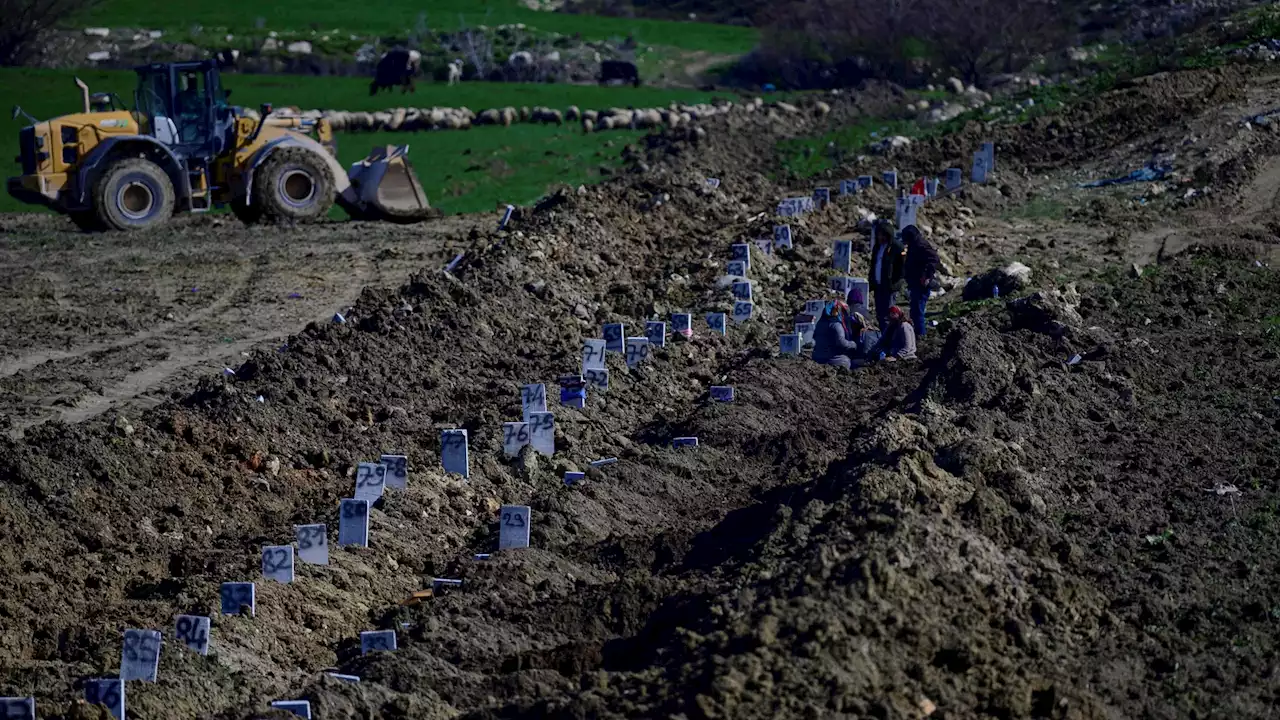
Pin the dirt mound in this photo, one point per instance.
(1063, 510)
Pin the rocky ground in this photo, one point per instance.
(999, 530)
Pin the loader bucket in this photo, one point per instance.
(386, 188)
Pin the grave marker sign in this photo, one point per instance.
(193, 632)
(353, 522)
(515, 435)
(371, 478)
(313, 544)
(141, 655)
(277, 563)
(542, 433)
(513, 527)
(453, 449)
(108, 692)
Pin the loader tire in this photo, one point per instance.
(132, 194)
(245, 212)
(86, 220)
(293, 185)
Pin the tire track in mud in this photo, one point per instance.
(190, 346)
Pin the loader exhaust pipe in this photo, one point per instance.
(84, 93)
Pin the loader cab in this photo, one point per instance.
(185, 106)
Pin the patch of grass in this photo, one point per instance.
(462, 171)
(1039, 208)
(494, 165)
(393, 17)
(808, 156)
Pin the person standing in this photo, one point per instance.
(919, 269)
(886, 269)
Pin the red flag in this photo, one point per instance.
(918, 188)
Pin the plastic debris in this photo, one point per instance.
(337, 318)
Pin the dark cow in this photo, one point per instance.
(396, 67)
(611, 70)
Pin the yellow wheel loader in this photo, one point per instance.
(183, 148)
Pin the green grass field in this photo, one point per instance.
(462, 171)
(399, 16)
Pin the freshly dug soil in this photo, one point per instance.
(1000, 529)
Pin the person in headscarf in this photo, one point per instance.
(886, 269)
(919, 269)
(899, 337)
(865, 338)
(831, 343)
(856, 302)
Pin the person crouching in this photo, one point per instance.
(899, 337)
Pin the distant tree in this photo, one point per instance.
(25, 20)
(978, 37)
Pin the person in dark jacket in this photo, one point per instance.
(886, 269)
(831, 344)
(919, 269)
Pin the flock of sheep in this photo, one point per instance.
(441, 118)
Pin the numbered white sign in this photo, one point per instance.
(681, 323)
(813, 308)
(841, 285)
(513, 527)
(821, 196)
(716, 321)
(736, 268)
(614, 337)
(141, 656)
(842, 255)
(533, 398)
(741, 252)
(453, 449)
(515, 435)
(15, 708)
(722, 393)
(597, 378)
(313, 544)
(377, 640)
(789, 344)
(861, 289)
(742, 290)
(593, 355)
(891, 178)
(989, 152)
(193, 632)
(353, 522)
(765, 245)
(277, 563)
(542, 433)
(979, 174)
(864, 181)
(301, 708)
(637, 351)
(397, 471)
(955, 178)
(805, 331)
(371, 478)
(236, 596)
(573, 478)
(682, 442)
(656, 332)
(848, 187)
(573, 391)
(742, 311)
(782, 236)
(108, 692)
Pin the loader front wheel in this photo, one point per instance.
(293, 184)
(132, 194)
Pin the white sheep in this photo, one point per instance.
(455, 71)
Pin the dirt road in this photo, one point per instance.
(93, 320)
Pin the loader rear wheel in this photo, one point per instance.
(132, 194)
(293, 184)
